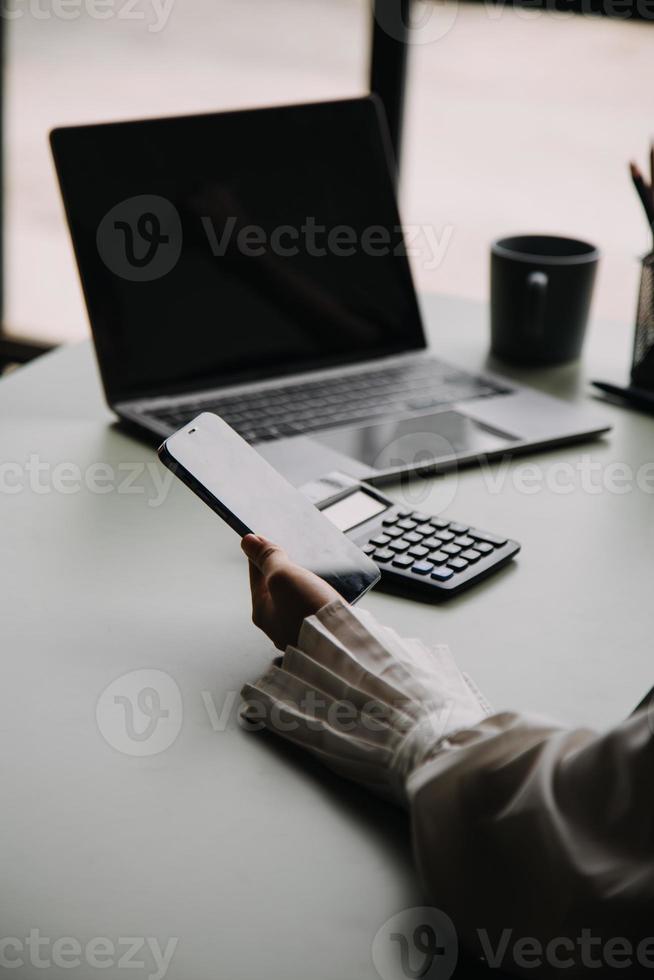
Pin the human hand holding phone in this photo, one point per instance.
(283, 593)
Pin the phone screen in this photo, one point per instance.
(251, 496)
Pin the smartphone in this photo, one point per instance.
(252, 497)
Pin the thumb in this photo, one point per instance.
(263, 554)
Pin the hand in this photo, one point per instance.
(282, 592)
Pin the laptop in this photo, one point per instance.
(253, 264)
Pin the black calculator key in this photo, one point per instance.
(458, 564)
(391, 519)
(487, 538)
(452, 549)
(420, 517)
(394, 532)
(368, 549)
(439, 523)
(403, 561)
(438, 557)
(383, 555)
(444, 535)
(413, 537)
(442, 574)
(380, 540)
(408, 525)
(483, 547)
(399, 546)
(403, 513)
(458, 528)
(432, 542)
(419, 551)
(422, 567)
(471, 555)
(464, 541)
(426, 529)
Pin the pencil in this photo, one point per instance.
(644, 193)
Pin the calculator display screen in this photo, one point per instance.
(354, 509)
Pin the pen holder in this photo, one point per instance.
(642, 365)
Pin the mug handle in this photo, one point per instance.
(536, 295)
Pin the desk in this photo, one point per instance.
(233, 844)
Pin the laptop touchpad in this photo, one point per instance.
(415, 441)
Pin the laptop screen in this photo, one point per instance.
(226, 247)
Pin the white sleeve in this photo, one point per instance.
(523, 830)
(528, 835)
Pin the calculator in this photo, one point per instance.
(418, 554)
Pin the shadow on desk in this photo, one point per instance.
(387, 822)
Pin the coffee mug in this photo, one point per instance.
(541, 288)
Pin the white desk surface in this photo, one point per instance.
(259, 863)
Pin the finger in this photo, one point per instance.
(263, 553)
(257, 582)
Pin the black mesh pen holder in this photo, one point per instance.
(642, 365)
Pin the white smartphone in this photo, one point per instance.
(252, 497)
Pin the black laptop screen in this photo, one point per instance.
(224, 247)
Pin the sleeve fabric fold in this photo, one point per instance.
(523, 830)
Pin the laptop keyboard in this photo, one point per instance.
(293, 409)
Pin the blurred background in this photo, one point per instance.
(517, 119)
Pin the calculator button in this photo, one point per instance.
(483, 547)
(464, 541)
(451, 549)
(487, 538)
(439, 523)
(380, 540)
(432, 543)
(458, 528)
(420, 517)
(444, 535)
(442, 574)
(418, 551)
(403, 513)
(399, 546)
(383, 556)
(458, 564)
(408, 525)
(426, 529)
(422, 567)
(413, 537)
(471, 555)
(368, 549)
(403, 561)
(391, 519)
(394, 532)
(438, 557)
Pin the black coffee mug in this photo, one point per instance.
(541, 288)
